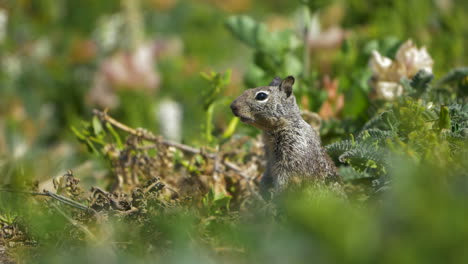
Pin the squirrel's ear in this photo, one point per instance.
(286, 85)
(276, 81)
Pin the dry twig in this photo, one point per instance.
(148, 136)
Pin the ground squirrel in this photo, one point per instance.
(292, 147)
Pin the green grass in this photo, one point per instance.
(404, 162)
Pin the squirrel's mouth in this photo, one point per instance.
(242, 118)
(246, 119)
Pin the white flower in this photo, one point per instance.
(382, 66)
(41, 49)
(3, 24)
(170, 119)
(109, 31)
(388, 90)
(388, 73)
(12, 65)
(413, 59)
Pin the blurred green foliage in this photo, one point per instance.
(404, 162)
(273, 50)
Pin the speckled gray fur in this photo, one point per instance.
(292, 147)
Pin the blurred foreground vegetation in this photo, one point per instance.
(183, 190)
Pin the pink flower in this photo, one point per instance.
(134, 70)
(335, 101)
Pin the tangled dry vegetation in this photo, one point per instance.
(149, 175)
(182, 169)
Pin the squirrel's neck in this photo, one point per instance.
(294, 137)
(296, 150)
(291, 121)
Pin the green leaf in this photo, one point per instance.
(292, 65)
(97, 126)
(374, 134)
(116, 136)
(362, 153)
(421, 80)
(338, 148)
(77, 133)
(231, 127)
(91, 147)
(349, 173)
(444, 118)
(419, 84)
(315, 5)
(248, 30)
(216, 203)
(384, 121)
(264, 61)
(454, 76)
(256, 36)
(217, 82)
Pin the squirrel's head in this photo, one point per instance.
(267, 107)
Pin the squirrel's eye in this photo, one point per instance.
(261, 96)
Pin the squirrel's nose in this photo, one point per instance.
(234, 108)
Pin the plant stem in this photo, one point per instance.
(102, 115)
(306, 53)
